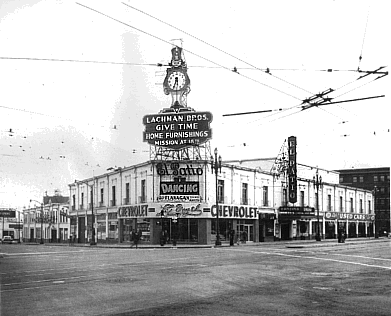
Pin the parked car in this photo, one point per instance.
(7, 240)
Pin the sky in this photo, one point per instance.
(77, 78)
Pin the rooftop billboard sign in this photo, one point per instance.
(177, 130)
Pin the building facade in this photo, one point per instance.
(48, 222)
(177, 199)
(376, 180)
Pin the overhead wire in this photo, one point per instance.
(215, 47)
(188, 51)
(80, 61)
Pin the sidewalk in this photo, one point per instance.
(287, 243)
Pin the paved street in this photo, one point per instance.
(261, 279)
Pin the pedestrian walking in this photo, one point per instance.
(244, 237)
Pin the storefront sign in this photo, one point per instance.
(235, 211)
(7, 213)
(349, 216)
(180, 188)
(133, 211)
(292, 170)
(175, 169)
(180, 210)
(295, 212)
(179, 198)
(177, 130)
(296, 209)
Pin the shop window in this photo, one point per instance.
(244, 194)
(265, 196)
(220, 191)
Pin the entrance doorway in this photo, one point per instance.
(285, 231)
(245, 231)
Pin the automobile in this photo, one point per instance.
(7, 240)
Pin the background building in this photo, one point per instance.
(47, 221)
(378, 181)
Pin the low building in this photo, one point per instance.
(48, 221)
(177, 199)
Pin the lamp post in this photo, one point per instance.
(375, 189)
(41, 242)
(216, 167)
(317, 179)
(92, 242)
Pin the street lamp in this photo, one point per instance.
(317, 183)
(216, 167)
(41, 242)
(375, 190)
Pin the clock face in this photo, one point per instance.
(176, 80)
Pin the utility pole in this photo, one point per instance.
(216, 167)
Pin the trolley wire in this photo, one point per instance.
(188, 51)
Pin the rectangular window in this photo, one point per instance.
(382, 178)
(91, 198)
(361, 209)
(340, 179)
(73, 202)
(101, 197)
(361, 179)
(127, 193)
(284, 197)
(113, 197)
(375, 178)
(220, 191)
(82, 200)
(329, 206)
(244, 193)
(301, 198)
(354, 179)
(143, 192)
(351, 205)
(265, 196)
(341, 204)
(369, 207)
